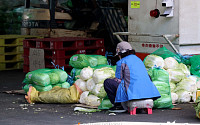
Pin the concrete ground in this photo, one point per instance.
(14, 110)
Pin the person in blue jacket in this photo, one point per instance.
(132, 80)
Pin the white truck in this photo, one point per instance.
(175, 25)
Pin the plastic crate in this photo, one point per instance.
(26, 60)
(11, 65)
(57, 53)
(11, 49)
(66, 53)
(63, 53)
(64, 43)
(11, 41)
(97, 51)
(31, 43)
(26, 52)
(14, 40)
(61, 62)
(12, 57)
(25, 68)
(48, 62)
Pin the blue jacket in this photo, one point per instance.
(135, 81)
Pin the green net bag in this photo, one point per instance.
(186, 59)
(75, 73)
(114, 67)
(160, 78)
(101, 66)
(62, 85)
(101, 60)
(197, 107)
(40, 78)
(59, 84)
(92, 61)
(105, 104)
(42, 88)
(54, 78)
(26, 87)
(79, 61)
(65, 85)
(158, 74)
(28, 77)
(164, 102)
(62, 74)
(195, 65)
(165, 53)
(162, 87)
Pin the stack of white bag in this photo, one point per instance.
(91, 83)
(183, 85)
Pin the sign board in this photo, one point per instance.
(135, 4)
(36, 59)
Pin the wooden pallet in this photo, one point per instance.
(11, 65)
(11, 49)
(11, 57)
(14, 40)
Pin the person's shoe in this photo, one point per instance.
(117, 109)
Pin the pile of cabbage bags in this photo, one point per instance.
(46, 79)
(80, 61)
(160, 78)
(91, 83)
(89, 73)
(197, 107)
(183, 85)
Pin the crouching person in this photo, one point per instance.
(132, 81)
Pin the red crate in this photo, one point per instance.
(60, 44)
(61, 62)
(26, 52)
(30, 43)
(48, 61)
(25, 68)
(62, 53)
(26, 60)
(94, 43)
(64, 43)
(66, 53)
(57, 53)
(98, 51)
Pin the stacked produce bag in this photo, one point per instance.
(46, 79)
(80, 61)
(160, 78)
(91, 83)
(183, 85)
(90, 71)
(197, 107)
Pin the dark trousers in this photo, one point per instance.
(110, 86)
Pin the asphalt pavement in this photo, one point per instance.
(14, 110)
